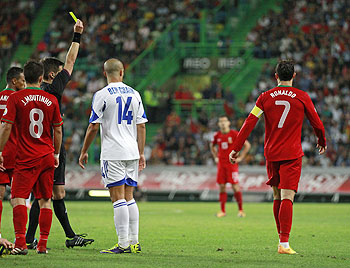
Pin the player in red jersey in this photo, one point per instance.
(227, 172)
(35, 113)
(15, 81)
(284, 108)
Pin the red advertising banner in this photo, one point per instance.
(194, 179)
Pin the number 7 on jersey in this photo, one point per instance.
(286, 105)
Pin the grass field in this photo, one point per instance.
(188, 235)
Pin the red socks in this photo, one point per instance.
(238, 196)
(276, 211)
(223, 200)
(0, 212)
(285, 219)
(20, 218)
(45, 220)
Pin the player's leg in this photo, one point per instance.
(45, 221)
(221, 181)
(276, 206)
(113, 175)
(131, 183)
(121, 216)
(238, 196)
(2, 194)
(222, 200)
(290, 172)
(20, 219)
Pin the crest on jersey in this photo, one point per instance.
(219, 140)
(229, 139)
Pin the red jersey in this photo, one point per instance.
(284, 109)
(10, 147)
(34, 112)
(225, 144)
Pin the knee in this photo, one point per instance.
(2, 192)
(222, 188)
(236, 188)
(45, 203)
(58, 194)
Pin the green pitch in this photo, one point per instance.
(188, 235)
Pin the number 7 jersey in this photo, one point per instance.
(34, 112)
(118, 108)
(284, 109)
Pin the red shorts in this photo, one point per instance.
(6, 177)
(227, 173)
(38, 179)
(284, 174)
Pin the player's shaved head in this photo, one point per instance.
(113, 66)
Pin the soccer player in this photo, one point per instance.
(119, 110)
(284, 108)
(15, 81)
(56, 76)
(220, 148)
(35, 114)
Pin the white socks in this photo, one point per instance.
(284, 244)
(133, 222)
(121, 221)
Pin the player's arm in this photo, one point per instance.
(243, 154)
(5, 131)
(57, 142)
(316, 124)
(141, 141)
(214, 152)
(245, 131)
(74, 48)
(89, 138)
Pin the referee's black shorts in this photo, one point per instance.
(59, 176)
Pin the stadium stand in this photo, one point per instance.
(15, 20)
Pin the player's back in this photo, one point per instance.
(34, 113)
(284, 109)
(10, 147)
(120, 109)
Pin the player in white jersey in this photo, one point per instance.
(119, 110)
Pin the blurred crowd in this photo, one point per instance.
(316, 35)
(15, 20)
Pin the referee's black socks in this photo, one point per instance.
(33, 221)
(61, 214)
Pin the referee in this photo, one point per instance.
(56, 76)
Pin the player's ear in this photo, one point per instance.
(294, 75)
(276, 76)
(40, 79)
(121, 73)
(52, 75)
(14, 81)
(104, 74)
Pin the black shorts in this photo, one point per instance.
(59, 176)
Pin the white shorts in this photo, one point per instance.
(120, 172)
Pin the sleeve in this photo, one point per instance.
(141, 117)
(57, 119)
(315, 120)
(98, 106)
(249, 125)
(10, 112)
(59, 83)
(214, 140)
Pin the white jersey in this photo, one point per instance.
(118, 108)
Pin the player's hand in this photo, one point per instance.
(83, 159)
(4, 242)
(57, 161)
(239, 159)
(2, 168)
(321, 149)
(142, 162)
(233, 157)
(79, 27)
(216, 159)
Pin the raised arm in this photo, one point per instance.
(74, 48)
(89, 138)
(141, 141)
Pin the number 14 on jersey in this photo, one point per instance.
(123, 112)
